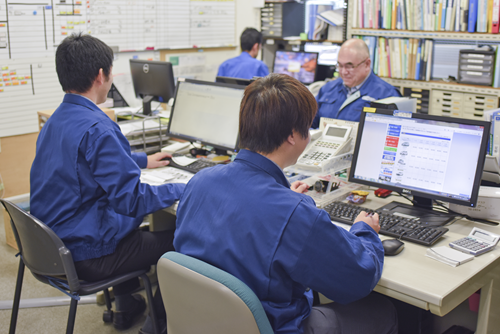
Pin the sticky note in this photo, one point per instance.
(15, 83)
(1, 90)
(13, 73)
(4, 68)
(8, 84)
(64, 33)
(2, 24)
(5, 74)
(27, 76)
(20, 78)
(24, 82)
(77, 11)
(13, 78)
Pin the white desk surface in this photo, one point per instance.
(432, 285)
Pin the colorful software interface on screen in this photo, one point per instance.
(300, 65)
(422, 155)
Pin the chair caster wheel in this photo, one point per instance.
(107, 316)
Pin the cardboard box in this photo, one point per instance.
(9, 234)
(488, 203)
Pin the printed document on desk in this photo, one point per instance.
(159, 176)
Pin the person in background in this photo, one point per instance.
(345, 97)
(85, 182)
(246, 66)
(246, 219)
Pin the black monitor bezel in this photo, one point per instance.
(479, 170)
(197, 140)
(233, 81)
(170, 79)
(315, 69)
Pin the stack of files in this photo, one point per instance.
(401, 58)
(429, 15)
(329, 24)
(422, 96)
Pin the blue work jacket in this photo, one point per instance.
(333, 94)
(244, 67)
(85, 182)
(244, 219)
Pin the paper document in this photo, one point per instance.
(448, 255)
(159, 176)
(183, 160)
(129, 127)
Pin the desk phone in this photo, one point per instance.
(334, 140)
(477, 242)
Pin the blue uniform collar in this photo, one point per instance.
(80, 100)
(263, 163)
(245, 54)
(364, 86)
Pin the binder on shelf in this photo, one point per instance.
(464, 15)
(471, 23)
(495, 16)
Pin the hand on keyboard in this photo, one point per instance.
(370, 218)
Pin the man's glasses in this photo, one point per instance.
(349, 66)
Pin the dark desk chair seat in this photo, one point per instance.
(45, 255)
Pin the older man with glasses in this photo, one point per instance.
(357, 86)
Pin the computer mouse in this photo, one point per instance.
(392, 246)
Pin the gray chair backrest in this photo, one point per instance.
(42, 250)
(200, 298)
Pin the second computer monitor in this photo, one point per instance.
(153, 81)
(206, 112)
(234, 81)
(299, 65)
(429, 157)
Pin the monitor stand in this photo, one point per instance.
(146, 104)
(421, 209)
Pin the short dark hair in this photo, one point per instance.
(78, 60)
(272, 107)
(249, 37)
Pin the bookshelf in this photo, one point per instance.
(443, 98)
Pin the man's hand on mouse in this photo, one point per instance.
(370, 219)
(154, 160)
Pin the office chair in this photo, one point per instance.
(45, 255)
(200, 298)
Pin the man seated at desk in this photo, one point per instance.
(246, 66)
(344, 98)
(245, 218)
(85, 183)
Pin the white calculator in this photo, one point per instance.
(477, 242)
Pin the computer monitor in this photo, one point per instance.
(234, 81)
(153, 81)
(429, 157)
(300, 65)
(207, 113)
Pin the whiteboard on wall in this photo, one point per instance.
(30, 32)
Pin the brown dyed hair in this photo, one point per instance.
(272, 107)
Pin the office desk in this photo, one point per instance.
(415, 279)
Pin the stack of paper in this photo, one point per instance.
(448, 255)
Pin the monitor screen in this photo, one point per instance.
(206, 112)
(327, 53)
(153, 81)
(427, 156)
(234, 81)
(300, 65)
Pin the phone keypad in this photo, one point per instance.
(315, 157)
(327, 144)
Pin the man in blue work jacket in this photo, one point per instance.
(85, 183)
(246, 66)
(245, 218)
(345, 97)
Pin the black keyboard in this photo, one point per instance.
(194, 167)
(391, 225)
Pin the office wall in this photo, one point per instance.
(17, 152)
